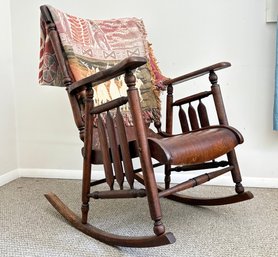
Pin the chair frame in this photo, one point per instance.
(152, 191)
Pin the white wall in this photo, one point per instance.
(8, 159)
(186, 35)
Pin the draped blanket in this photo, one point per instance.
(94, 45)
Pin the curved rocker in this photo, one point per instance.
(236, 198)
(203, 201)
(103, 236)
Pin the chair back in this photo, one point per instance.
(73, 48)
(52, 55)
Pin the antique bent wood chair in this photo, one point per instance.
(115, 125)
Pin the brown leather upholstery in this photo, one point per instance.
(195, 147)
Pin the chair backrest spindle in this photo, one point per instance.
(114, 150)
(183, 120)
(203, 115)
(104, 146)
(128, 166)
(193, 117)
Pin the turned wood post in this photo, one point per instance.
(223, 120)
(67, 78)
(88, 140)
(169, 130)
(169, 109)
(144, 153)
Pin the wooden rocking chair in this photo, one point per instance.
(108, 141)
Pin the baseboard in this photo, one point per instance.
(51, 173)
(9, 176)
(224, 180)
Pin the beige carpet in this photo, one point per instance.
(29, 225)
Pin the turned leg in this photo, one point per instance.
(222, 117)
(144, 153)
(235, 172)
(85, 190)
(87, 154)
(167, 179)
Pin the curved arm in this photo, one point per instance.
(197, 73)
(129, 63)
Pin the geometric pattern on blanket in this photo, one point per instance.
(93, 45)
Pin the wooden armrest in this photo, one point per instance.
(191, 98)
(129, 63)
(110, 105)
(197, 73)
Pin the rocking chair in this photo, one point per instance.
(116, 131)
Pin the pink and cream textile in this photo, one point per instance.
(93, 45)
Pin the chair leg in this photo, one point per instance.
(167, 178)
(87, 155)
(144, 153)
(85, 191)
(151, 188)
(235, 172)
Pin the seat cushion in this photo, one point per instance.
(195, 147)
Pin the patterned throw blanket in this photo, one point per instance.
(94, 45)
